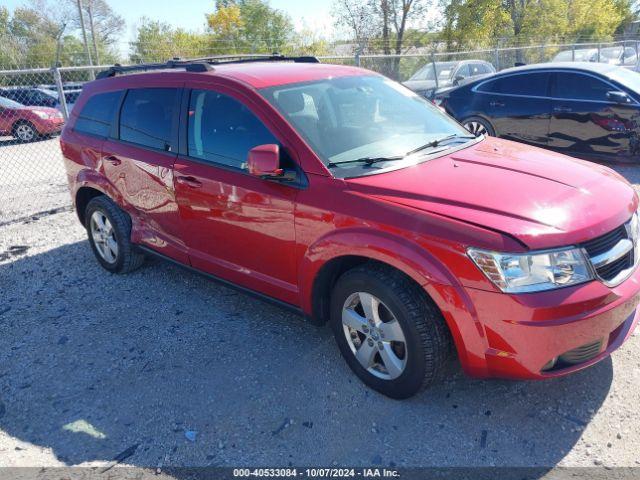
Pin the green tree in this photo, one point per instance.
(249, 26)
(482, 23)
(157, 41)
(44, 33)
(306, 42)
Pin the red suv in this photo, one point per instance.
(346, 197)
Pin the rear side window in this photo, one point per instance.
(576, 86)
(223, 130)
(96, 115)
(529, 84)
(147, 117)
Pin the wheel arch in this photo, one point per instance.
(82, 198)
(89, 184)
(338, 252)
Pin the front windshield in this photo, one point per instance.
(444, 70)
(612, 53)
(349, 118)
(6, 103)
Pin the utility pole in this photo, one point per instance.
(84, 37)
(93, 32)
(59, 44)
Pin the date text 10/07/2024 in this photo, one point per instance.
(316, 472)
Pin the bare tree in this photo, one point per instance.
(360, 18)
(107, 24)
(387, 20)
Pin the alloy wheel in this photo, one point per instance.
(374, 335)
(103, 236)
(476, 128)
(25, 132)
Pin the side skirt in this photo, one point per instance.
(226, 283)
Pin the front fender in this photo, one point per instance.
(414, 261)
(384, 247)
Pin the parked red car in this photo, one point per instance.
(28, 123)
(345, 196)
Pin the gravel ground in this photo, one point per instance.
(164, 367)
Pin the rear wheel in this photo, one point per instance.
(390, 333)
(109, 231)
(479, 126)
(25, 131)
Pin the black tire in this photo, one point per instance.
(27, 126)
(128, 257)
(428, 341)
(476, 125)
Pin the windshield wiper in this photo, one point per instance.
(366, 160)
(437, 142)
(372, 160)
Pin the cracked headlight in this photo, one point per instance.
(534, 271)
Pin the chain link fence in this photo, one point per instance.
(402, 66)
(34, 103)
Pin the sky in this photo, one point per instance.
(189, 14)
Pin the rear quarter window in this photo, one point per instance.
(97, 114)
(147, 117)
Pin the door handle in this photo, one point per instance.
(496, 104)
(190, 182)
(562, 109)
(112, 160)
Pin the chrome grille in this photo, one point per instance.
(601, 244)
(614, 254)
(609, 271)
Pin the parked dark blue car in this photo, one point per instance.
(588, 110)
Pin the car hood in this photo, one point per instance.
(541, 198)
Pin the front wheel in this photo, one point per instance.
(389, 331)
(479, 126)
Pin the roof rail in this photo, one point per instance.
(203, 64)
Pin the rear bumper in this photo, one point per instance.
(521, 334)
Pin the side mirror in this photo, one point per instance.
(618, 97)
(264, 161)
(458, 79)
